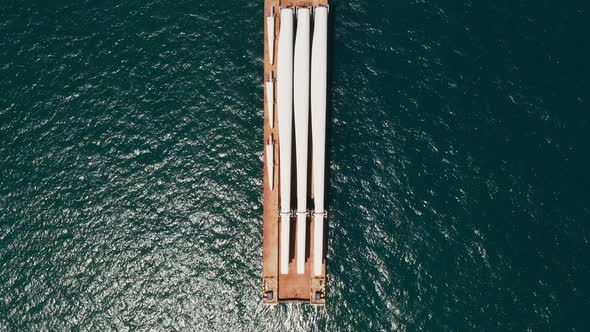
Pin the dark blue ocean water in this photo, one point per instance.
(131, 170)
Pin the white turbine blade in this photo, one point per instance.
(301, 229)
(318, 240)
(270, 160)
(301, 106)
(284, 254)
(270, 101)
(270, 32)
(285, 117)
(318, 127)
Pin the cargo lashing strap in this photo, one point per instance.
(306, 213)
(321, 214)
(288, 213)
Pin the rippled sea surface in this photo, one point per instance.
(131, 167)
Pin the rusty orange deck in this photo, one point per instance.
(291, 287)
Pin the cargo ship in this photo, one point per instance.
(295, 217)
